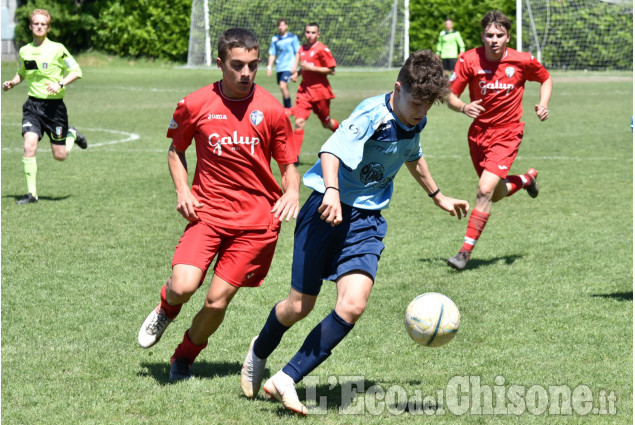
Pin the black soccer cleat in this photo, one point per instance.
(180, 370)
(459, 261)
(27, 199)
(80, 140)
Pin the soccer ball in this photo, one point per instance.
(432, 319)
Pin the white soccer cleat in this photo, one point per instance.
(251, 373)
(153, 327)
(281, 387)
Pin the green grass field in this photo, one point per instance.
(546, 302)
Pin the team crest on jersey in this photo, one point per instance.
(256, 117)
(173, 125)
(509, 71)
(453, 77)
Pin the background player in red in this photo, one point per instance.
(235, 206)
(314, 93)
(496, 75)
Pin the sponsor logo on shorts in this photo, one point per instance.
(503, 167)
(27, 125)
(173, 125)
(58, 131)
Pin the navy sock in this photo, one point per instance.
(269, 336)
(317, 346)
(287, 102)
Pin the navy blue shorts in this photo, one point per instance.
(322, 252)
(283, 76)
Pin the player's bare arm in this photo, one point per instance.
(472, 109)
(9, 84)
(331, 208)
(54, 87)
(288, 205)
(186, 203)
(419, 170)
(306, 66)
(541, 109)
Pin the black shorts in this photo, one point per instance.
(448, 64)
(45, 116)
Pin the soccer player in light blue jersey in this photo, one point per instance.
(340, 228)
(283, 49)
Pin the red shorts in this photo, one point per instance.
(304, 105)
(494, 148)
(244, 256)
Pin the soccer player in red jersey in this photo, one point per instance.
(314, 93)
(496, 75)
(235, 206)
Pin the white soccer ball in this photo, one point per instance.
(432, 319)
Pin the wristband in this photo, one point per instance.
(331, 187)
(268, 68)
(435, 193)
(61, 83)
(463, 109)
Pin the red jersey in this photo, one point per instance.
(314, 84)
(500, 84)
(235, 141)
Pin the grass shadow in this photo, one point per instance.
(160, 371)
(40, 198)
(620, 296)
(476, 263)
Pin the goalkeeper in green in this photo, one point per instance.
(449, 46)
(47, 68)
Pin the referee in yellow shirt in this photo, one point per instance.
(47, 68)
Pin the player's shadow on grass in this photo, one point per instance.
(40, 198)
(620, 296)
(160, 371)
(475, 263)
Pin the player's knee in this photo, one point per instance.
(60, 155)
(351, 310)
(179, 290)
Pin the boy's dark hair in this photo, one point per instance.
(497, 18)
(422, 76)
(281, 20)
(236, 37)
(313, 24)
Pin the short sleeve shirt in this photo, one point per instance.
(499, 84)
(314, 84)
(284, 48)
(45, 64)
(372, 145)
(235, 141)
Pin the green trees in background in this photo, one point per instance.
(160, 28)
(427, 19)
(136, 28)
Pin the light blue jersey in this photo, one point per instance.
(372, 145)
(284, 47)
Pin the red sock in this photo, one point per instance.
(334, 124)
(516, 183)
(298, 138)
(170, 310)
(187, 349)
(475, 226)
